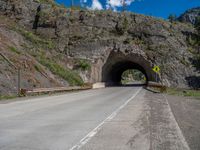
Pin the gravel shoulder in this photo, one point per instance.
(187, 114)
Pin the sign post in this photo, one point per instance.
(156, 69)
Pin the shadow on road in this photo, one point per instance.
(135, 85)
(151, 90)
(127, 85)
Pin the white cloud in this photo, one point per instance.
(117, 3)
(82, 2)
(128, 2)
(110, 4)
(96, 5)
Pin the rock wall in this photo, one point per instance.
(93, 35)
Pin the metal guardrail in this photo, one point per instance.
(26, 92)
(160, 86)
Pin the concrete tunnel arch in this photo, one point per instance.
(118, 62)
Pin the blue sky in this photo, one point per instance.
(158, 8)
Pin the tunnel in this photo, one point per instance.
(114, 75)
(117, 63)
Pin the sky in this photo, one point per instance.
(157, 8)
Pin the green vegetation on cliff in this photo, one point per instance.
(71, 76)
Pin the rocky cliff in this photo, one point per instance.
(56, 46)
(190, 15)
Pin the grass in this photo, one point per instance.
(38, 68)
(36, 40)
(69, 75)
(183, 92)
(5, 97)
(15, 50)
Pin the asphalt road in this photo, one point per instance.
(119, 118)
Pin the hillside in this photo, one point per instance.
(190, 15)
(54, 46)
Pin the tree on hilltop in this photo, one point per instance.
(172, 18)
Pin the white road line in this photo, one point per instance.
(91, 134)
(180, 133)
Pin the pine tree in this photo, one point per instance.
(172, 18)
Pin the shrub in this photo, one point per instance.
(83, 65)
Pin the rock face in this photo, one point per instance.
(110, 42)
(190, 15)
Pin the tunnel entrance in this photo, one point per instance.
(133, 77)
(117, 63)
(114, 74)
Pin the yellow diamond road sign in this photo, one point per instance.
(156, 69)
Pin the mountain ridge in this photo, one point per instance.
(190, 15)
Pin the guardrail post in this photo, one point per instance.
(19, 82)
(156, 77)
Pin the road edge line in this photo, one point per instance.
(92, 133)
(178, 128)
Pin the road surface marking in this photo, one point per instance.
(91, 134)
